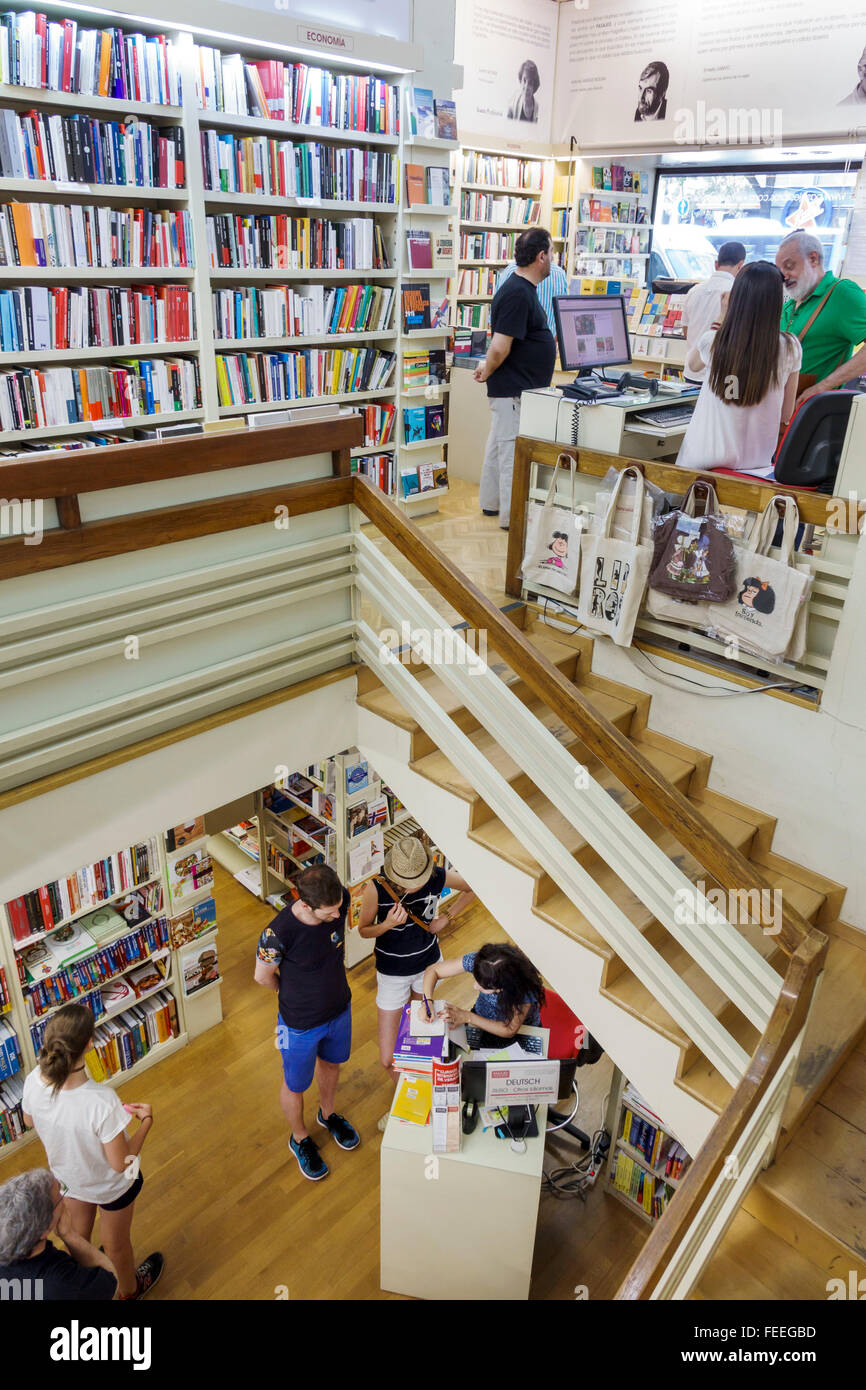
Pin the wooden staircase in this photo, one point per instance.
(839, 1014)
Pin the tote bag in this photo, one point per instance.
(696, 558)
(764, 612)
(552, 554)
(613, 573)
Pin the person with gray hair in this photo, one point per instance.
(826, 314)
(32, 1208)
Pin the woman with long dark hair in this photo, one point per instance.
(751, 386)
(509, 989)
(82, 1125)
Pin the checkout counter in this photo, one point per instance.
(634, 425)
(459, 1225)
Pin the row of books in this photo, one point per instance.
(294, 311)
(80, 234)
(559, 220)
(602, 210)
(472, 316)
(295, 92)
(125, 1040)
(34, 399)
(423, 422)
(639, 1186)
(419, 311)
(624, 266)
(39, 317)
(430, 186)
(477, 282)
(40, 910)
(620, 179)
(83, 149)
(5, 996)
(424, 478)
(503, 171)
(430, 117)
(257, 164)
(87, 976)
(485, 207)
(655, 315)
(246, 836)
(76, 941)
(11, 1110)
(586, 284)
(487, 246)
(248, 378)
(36, 51)
(429, 251)
(295, 243)
(603, 242)
(424, 368)
(10, 1051)
(379, 468)
(470, 342)
(378, 423)
(280, 862)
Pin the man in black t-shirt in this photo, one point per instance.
(31, 1268)
(300, 957)
(520, 357)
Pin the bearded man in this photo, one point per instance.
(827, 314)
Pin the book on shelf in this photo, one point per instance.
(437, 186)
(295, 92)
(193, 923)
(356, 819)
(415, 304)
(424, 368)
(416, 185)
(443, 250)
(419, 250)
(38, 318)
(260, 165)
(105, 922)
(421, 113)
(378, 423)
(82, 149)
(199, 966)
(10, 1050)
(367, 858)
(82, 980)
(188, 872)
(36, 51)
(40, 910)
(263, 241)
(445, 112)
(377, 812)
(147, 977)
(180, 835)
(424, 478)
(379, 468)
(5, 996)
(296, 311)
(82, 234)
(423, 422)
(121, 1042)
(324, 804)
(11, 1109)
(259, 377)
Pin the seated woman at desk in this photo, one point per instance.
(748, 395)
(509, 988)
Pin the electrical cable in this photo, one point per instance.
(717, 691)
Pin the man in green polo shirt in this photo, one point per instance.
(837, 329)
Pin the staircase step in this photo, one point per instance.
(830, 893)
(754, 1263)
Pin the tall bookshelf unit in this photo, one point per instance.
(482, 174)
(646, 1163)
(602, 213)
(225, 370)
(161, 915)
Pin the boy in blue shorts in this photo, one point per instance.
(300, 956)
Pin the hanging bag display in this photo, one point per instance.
(693, 559)
(552, 552)
(765, 612)
(613, 573)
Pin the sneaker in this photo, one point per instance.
(342, 1132)
(310, 1161)
(147, 1274)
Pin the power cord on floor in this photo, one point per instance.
(575, 1179)
(674, 681)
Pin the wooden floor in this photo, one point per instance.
(226, 1203)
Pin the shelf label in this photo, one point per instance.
(323, 38)
(69, 187)
(522, 1083)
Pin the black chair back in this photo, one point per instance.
(811, 448)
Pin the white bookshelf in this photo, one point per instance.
(392, 218)
(624, 1099)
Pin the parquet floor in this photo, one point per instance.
(228, 1206)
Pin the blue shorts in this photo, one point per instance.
(332, 1042)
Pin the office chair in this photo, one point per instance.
(810, 449)
(568, 1038)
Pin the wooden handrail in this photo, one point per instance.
(786, 1021)
(814, 507)
(725, 863)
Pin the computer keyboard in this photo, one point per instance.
(665, 416)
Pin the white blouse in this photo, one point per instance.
(722, 434)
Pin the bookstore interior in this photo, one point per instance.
(265, 224)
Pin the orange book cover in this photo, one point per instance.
(347, 318)
(104, 62)
(415, 184)
(24, 233)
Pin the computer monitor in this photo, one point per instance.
(592, 332)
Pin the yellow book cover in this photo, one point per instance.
(599, 286)
(413, 1099)
(648, 1193)
(94, 1065)
(586, 286)
(626, 1124)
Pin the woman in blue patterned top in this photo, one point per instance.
(510, 991)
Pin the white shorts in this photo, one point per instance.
(394, 990)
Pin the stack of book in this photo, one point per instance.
(416, 1052)
(121, 1042)
(252, 378)
(10, 1051)
(639, 1186)
(36, 398)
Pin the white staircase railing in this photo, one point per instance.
(710, 939)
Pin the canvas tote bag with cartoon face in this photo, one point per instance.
(613, 573)
(552, 551)
(766, 610)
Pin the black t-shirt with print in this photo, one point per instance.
(517, 312)
(62, 1279)
(313, 984)
(409, 949)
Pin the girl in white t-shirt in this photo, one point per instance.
(751, 386)
(82, 1125)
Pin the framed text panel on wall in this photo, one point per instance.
(508, 52)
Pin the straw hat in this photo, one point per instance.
(408, 863)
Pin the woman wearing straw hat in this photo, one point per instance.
(399, 908)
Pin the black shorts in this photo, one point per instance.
(127, 1199)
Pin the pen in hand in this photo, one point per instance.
(427, 1006)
